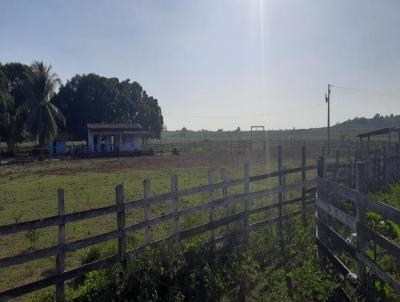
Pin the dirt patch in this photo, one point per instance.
(148, 163)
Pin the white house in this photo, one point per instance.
(117, 137)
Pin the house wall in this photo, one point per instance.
(123, 142)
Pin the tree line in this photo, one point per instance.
(35, 105)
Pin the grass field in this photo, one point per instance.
(30, 192)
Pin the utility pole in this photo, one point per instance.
(328, 101)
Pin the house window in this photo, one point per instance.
(128, 139)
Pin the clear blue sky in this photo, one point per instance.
(221, 63)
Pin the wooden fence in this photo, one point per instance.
(304, 187)
(342, 228)
(314, 146)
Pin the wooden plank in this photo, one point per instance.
(224, 178)
(60, 259)
(276, 173)
(206, 227)
(387, 211)
(276, 219)
(384, 242)
(337, 214)
(37, 285)
(210, 200)
(336, 166)
(343, 269)
(280, 201)
(384, 276)
(362, 219)
(246, 202)
(207, 188)
(146, 193)
(342, 191)
(303, 179)
(275, 205)
(80, 244)
(175, 206)
(119, 197)
(56, 220)
(30, 256)
(338, 240)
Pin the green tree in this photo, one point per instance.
(94, 99)
(42, 115)
(13, 81)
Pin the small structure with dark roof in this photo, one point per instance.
(117, 137)
(383, 131)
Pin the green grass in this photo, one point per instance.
(30, 192)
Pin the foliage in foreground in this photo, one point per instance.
(198, 272)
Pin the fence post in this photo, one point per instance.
(210, 200)
(246, 189)
(303, 188)
(119, 194)
(280, 199)
(320, 196)
(146, 194)
(385, 178)
(397, 161)
(224, 178)
(361, 221)
(175, 206)
(336, 165)
(60, 259)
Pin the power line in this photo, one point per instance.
(367, 91)
(246, 115)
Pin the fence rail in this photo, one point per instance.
(349, 208)
(305, 188)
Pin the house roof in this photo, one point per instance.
(133, 127)
(378, 132)
(116, 126)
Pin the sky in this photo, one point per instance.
(222, 63)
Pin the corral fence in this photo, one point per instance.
(249, 209)
(315, 147)
(342, 232)
(351, 228)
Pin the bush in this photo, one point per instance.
(200, 272)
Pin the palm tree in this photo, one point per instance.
(42, 115)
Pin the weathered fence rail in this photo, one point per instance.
(343, 210)
(304, 187)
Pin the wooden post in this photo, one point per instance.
(385, 168)
(397, 162)
(146, 194)
(246, 189)
(119, 194)
(280, 199)
(60, 259)
(320, 195)
(210, 200)
(350, 174)
(336, 166)
(361, 221)
(284, 185)
(224, 178)
(303, 188)
(175, 206)
(356, 153)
